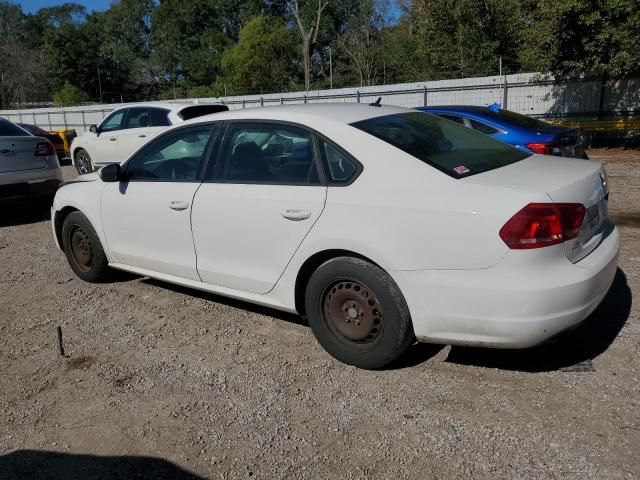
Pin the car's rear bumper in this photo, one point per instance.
(516, 304)
(30, 183)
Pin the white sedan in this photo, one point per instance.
(127, 128)
(381, 225)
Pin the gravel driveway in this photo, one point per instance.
(164, 382)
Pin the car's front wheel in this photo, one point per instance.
(83, 249)
(83, 162)
(357, 313)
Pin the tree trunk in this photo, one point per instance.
(306, 60)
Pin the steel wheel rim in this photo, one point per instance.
(83, 163)
(352, 312)
(81, 248)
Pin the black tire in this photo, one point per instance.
(84, 250)
(83, 162)
(357, 313)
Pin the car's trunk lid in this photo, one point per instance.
(18, 154)
(564, 180)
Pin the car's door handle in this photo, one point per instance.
(178, 205)
(113, 139)
(5, 152)
(295, 215)
(142, 136)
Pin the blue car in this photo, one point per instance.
(526, 133)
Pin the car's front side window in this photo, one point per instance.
(113, 122)
(176, 156)
(267, 153)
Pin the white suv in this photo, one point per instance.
(128, 128)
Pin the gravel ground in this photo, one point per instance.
(165, 382)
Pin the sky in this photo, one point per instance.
(32, 6)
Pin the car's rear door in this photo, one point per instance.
(147, 216)
(257, 205)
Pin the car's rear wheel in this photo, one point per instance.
(357, 313)
(83, 162)
(83, 249)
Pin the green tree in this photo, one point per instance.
(22, 73)
(69, 95)
(262, 60)
(599, 37)
(465, 38)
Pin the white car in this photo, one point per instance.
(381, 225)
(28, 164)
(127, 128)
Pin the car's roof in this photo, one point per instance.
(457, 108)
(173, 106)
(338, 112)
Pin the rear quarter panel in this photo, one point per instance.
(406, 215)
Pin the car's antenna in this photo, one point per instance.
(377, 103)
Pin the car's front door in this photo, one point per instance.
(257, 205)
(147, 216)
(105, 147)
(135, 131)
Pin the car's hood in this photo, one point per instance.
(87, 177)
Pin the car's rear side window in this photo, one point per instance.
(8, 129)
(455, 150)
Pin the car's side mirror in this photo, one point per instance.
(93, 129)
(111, 173)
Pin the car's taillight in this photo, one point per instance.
(543, 224)
(542, 148)
(45, 148)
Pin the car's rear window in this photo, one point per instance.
(456, 150)
(8, 129)
(519, 120)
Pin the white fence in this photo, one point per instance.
(528, 93)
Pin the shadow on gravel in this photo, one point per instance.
(212, 297)
(415, 355)
(572, 351)
(23, 212)
(34, 465)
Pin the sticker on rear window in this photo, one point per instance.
(461, 170)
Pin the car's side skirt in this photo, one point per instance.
(258, 299)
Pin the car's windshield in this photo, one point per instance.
(456, 150)
(8, 129)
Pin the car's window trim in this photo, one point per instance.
(212, 171)
(213, 139)
(359, 167)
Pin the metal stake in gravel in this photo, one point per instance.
(60, 345)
